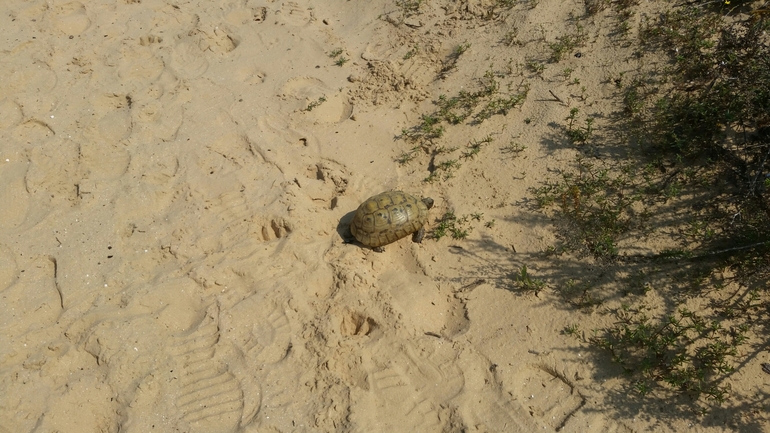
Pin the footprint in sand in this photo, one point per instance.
(187, 60)
(137, 66)
(30, 82)
(313, 99)
(13, 189)
(411, 386)
(293, 14)
(219, 39)
(9, 271)
(414, 70)
(282, 144)
(547, 394)
(208, 396)
(391, 77)
(188, 387)
(179, 366)
(69, 18)
(115, 125)
(249, 74)
(240, 13)
(424, 305)
(23, 74)
(102, 156)
(259, 329)
(218, 389)
(24, 310)
(10, 114)
(50, 174)
(156, 111)
(102, 160)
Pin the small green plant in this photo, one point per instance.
(601, 204)
(457, 108)
(513, 148)
(567, 43)
(619, 80)
(408, 156)
(474, 147)
(409, 7)
(341, 61)
(693, 138)
(451, 61)
(583, 93)
(535, 67)
(501, 105)
(461, 49)
(574, 293)
(593, 7)
(525, 282)
(449, 224)
(686, 351)
(572, 330)
(625, 26)
(444, 170)
(409, 54)
(510, 38)
(316, 103)
(429, 129)
(336, 52)
(580, 134)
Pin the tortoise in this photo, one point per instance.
(388, 217)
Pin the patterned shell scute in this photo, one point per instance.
(388, 217)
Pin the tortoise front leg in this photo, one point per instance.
(418, 235)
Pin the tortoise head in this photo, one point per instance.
(428, 202)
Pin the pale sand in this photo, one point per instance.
(172, 219)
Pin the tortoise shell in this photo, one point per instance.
(388, 217)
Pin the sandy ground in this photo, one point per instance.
(176, 178)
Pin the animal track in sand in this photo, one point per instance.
(354, 323)
(330, 171)
(149, 39)
(275, 229)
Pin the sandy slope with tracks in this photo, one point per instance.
(173, 214)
